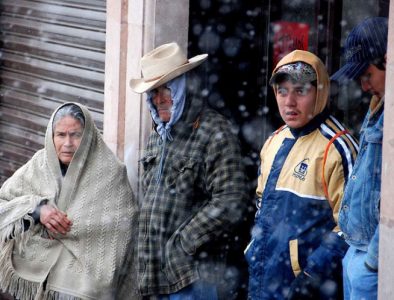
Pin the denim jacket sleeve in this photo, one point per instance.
(372, 258)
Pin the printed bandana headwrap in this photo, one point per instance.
(177, 87)
(178, 96)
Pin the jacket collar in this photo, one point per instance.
(376, 106)
(312, 125)
(191, 112)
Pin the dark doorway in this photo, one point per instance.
(231, 33)
(241, 40)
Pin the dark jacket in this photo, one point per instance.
(200, 195)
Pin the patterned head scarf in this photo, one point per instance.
(177, 87)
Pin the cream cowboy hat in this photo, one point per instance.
(162, 65)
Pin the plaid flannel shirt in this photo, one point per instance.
(200, 195)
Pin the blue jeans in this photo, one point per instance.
(199, 290)
(359, 282)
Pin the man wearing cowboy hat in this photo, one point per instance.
(193, 182)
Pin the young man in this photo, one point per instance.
(193, 184)
(296, 247)
(365, 51)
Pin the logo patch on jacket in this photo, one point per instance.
(301, 169)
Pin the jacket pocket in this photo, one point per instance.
(148, 163)
(177, 264)
(183, 175)
(248, 252)
(374, 135)
(294, 260)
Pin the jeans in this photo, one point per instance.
(359, 282)
(199, 290)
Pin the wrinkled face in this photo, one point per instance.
(373, 81)
(67, 137)
(161, 98)
(296, 103)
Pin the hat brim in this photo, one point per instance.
(284, 76)
(275, 78)
(141, 85)
(350, 71)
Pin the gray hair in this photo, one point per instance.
(71, 110)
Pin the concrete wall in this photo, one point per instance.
(386, 242)
(134, 27)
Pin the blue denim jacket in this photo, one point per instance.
(359, 214)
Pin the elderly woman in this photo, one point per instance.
(66, 216)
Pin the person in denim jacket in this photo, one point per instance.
(365, 51)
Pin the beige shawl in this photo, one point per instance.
(96, 196)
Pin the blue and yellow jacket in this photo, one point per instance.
(296, 225)
(300, 187)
